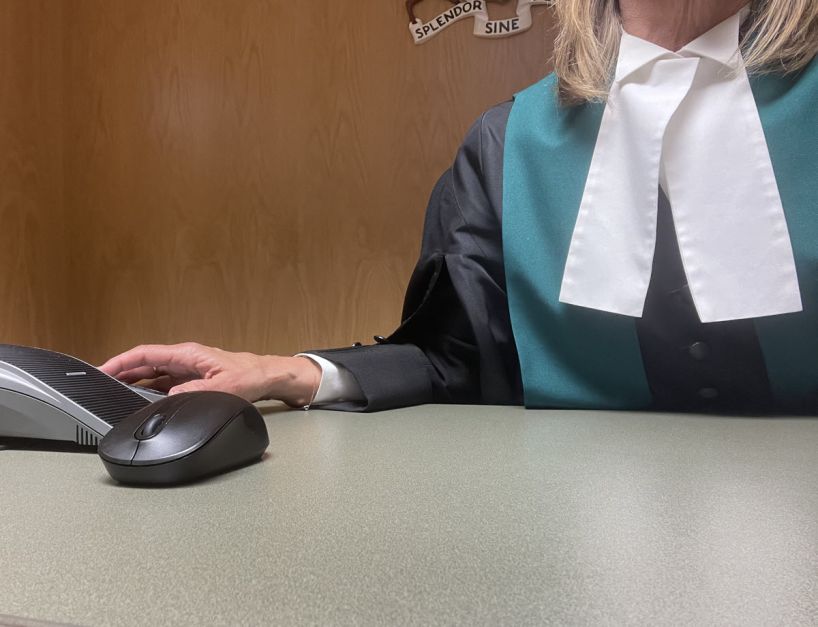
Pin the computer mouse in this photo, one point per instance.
(183, 438)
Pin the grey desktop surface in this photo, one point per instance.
(431, 515)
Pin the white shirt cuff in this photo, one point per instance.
(337, 383)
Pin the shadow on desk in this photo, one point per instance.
(56, 446)
(230, 475)
(13, 621)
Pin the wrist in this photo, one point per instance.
(293, 380)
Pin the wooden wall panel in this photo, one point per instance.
(33, 268)
(253, 174)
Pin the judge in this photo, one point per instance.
(638, 230)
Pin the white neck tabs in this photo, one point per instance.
(688, 118)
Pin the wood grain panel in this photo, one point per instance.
(33, 251)
(253, 174)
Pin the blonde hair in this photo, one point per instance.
(780, 36)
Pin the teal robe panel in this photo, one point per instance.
(569, 356)
(580, 358)
(789, 114)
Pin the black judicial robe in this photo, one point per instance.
(455, 343)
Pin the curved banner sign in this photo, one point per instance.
(483, 26)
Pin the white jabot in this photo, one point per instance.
(688, 121)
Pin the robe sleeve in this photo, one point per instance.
(454, 344)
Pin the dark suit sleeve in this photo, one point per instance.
(454, 344)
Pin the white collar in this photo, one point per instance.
(719, 44)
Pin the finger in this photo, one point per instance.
(148, 375)
(137, 374)
(197, 385)
(139, 356)
(176, 359)
(162, 384)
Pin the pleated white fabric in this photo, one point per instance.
(688, 121)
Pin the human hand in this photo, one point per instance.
(191, 367)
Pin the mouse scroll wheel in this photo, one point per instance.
(151, 427)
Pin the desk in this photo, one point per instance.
(434, 515)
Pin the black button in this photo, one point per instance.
(699, 351)
(357, 345)
(380, 339)
(708, 393)
(151, 427)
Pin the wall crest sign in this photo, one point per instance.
(483, 26)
